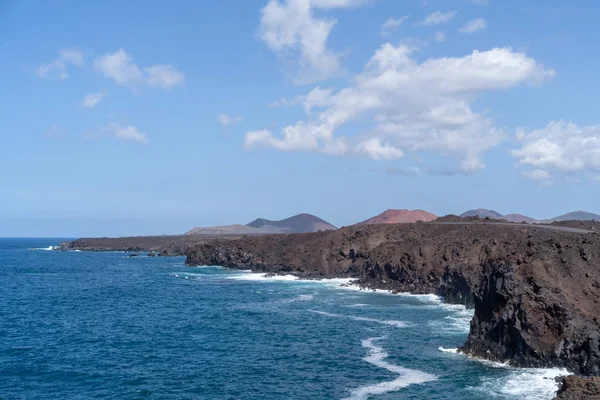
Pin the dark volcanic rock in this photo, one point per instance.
(161, 245)
(574, 388)
(535, 290)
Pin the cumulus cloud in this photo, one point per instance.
(128, 133)
(438, 17)
(373, 148)
(164, 76)
(91, 100)
(538, 175)
(391, 25)
(409, 106)
(120, 67)
(475, 25)
(560, 148)
(228, 120)
(289, 27)
(57, 68)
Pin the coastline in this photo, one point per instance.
(534, 291)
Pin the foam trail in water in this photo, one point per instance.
(263, 277)
(521, 383)
(376, 356)
(301, 297)
(524, 383)
(445, 350)
(397, 324)
(49, 248)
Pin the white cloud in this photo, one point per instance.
(91, 100)
(440, 37)
(227, 120)
(475, 25)
(129, 133)
(560, 148)
(391, 25)
(438, 17)
(409, 107)
(120, 67)
(538, 175)
(290, 27)
(374, 149)
(57, 68)
(285, 102)
(74, 57)
(164, 76)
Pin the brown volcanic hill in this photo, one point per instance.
(400, 217)
(576, 216)
(520, 218)
(301, 223)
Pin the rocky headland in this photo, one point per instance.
(159, 245)
(535, 290)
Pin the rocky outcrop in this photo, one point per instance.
(159, 245)
(535, 290)
(576, 388)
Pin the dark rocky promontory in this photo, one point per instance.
(535, 289)
(158, 245)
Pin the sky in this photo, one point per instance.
(134, 118)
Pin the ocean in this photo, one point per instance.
(80, 325)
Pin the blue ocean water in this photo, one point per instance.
(78, 325)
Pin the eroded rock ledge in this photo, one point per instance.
(535, 291)
(575, 388)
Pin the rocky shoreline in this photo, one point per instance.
(159, 245)
(535, 290)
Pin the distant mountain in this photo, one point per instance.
(520, 218)
(297, 224)
(399, 217)
(577, 215)
(482, 213)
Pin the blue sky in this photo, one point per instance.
(122, 118)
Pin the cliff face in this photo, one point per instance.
(535, 291)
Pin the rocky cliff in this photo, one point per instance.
(535, 290)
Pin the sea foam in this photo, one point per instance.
(397, 324)
(521, 383)
(524, 383)
(49, 248)
(252, 276)
(406, 377)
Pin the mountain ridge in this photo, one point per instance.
(300, 223)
